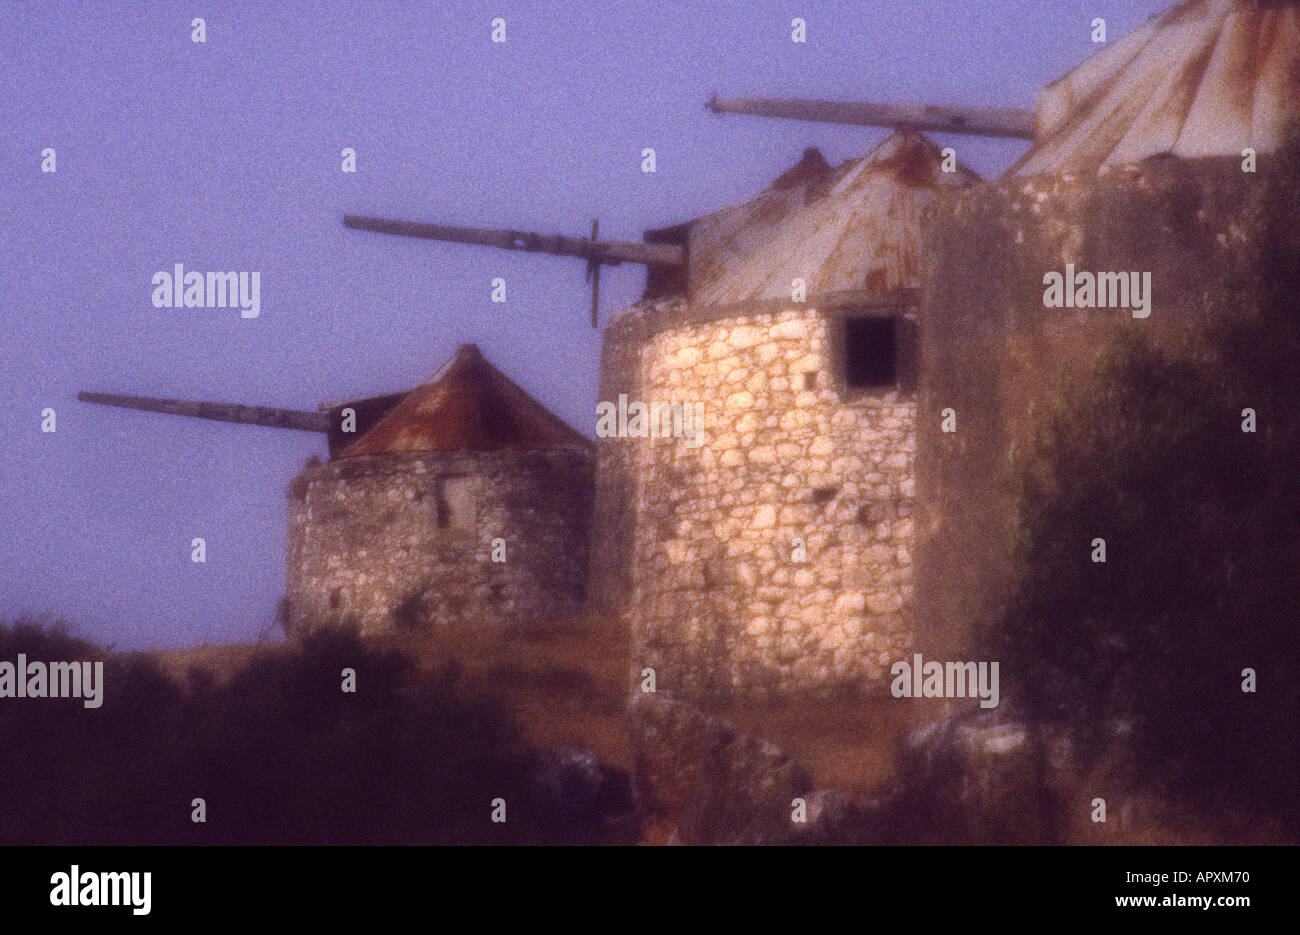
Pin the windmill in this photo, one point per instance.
(665, 252)
(1197, 79)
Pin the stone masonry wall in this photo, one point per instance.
(614, 527)
(992, 351)
(718, 605)
(406, 539)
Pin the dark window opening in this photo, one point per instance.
(870, 352)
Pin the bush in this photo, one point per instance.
(1145, 653)
(279, 753)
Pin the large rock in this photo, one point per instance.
(977, 776)
(970, 778)
(581, 800)
(713, 784)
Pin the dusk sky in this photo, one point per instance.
(226, 156)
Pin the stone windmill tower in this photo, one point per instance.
(773, 555)
(1156, 158)
(464, 499)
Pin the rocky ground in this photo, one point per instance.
(646, 767)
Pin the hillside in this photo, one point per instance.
(566, 687)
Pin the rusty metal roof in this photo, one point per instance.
(468, 405)
(854, 227)
(1203, 78)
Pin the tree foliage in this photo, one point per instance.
(279, 753)
(1145, 654)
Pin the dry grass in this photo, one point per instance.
(219, 662)
(850, 744)
(565, 683)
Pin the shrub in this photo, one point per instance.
(279, 753)
(1145, 653)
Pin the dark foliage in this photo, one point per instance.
(280, 754)
(1145, 653)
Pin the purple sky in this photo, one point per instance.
(225, 156)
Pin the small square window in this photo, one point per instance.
(870, 352)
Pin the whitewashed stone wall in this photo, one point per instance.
(719, 606)
(366, 543)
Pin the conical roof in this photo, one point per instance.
(1203, 78)
(467, 405)
(852, 228)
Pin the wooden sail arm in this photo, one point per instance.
(1009, 122)
(220, 412)
(609, 252)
